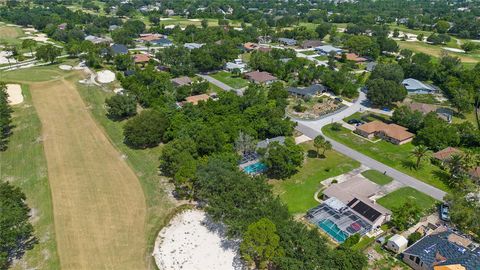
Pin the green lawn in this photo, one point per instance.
(24, 165)
(396, 156)
(367, 116)
(321, 58)
(309, 52)
(10, 34)
(34, 74)
(297, 192)
(407, 194)
(377, 177)
(230, 80)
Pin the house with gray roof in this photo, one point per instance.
(309, 91)
(192, 46)
(326, 49)
(442, 249)
(414, 86)
(265, 143)
(287, 41)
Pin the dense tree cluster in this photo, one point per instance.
(384, 85)
(16, 234)
(5, 117)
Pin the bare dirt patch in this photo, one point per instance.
(98, 203)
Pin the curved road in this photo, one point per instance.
(314, 128)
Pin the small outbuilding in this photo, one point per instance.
(397, 243)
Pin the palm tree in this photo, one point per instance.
(420, 152)
(318, 143)
(327, 145)
(456, 165)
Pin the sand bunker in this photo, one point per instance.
(38, 37)
(14, 92)
(195, 20)
(454, 50)
(105, 76)
(5, 58)
(65, 67)
(193, 242)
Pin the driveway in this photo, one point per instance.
(314, 128)
(222, 85)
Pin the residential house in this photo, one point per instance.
(444, 113)
(287, 41)
(446, 154)
(236, 64)
(144, 38)
(264, 49)
(98, 40)
(309, 44)
(113, 27)
(141, 58)
(250, 46)
(197, 98)
(192, 46)
(352, 57)
(181, 81)
(326, 49)
(169, 12)
(414, 86)
(266, 142)
(442, 249)
(307, 92)
(390, 132)
(118, 49)
(260, 77)
(397, 243)
(162, 42)
(450, 267)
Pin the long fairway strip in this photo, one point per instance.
(99, 206)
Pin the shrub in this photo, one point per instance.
(336, 127)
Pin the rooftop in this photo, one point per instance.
(312, 90)
(421, 107)
(391, 130)
(413, 84)
(446, 153)
(141, 58)
(180, 81)
(353, 57)
(197, 98)
(356, 186)
(265, 143)
(260, 76)
(328, 48)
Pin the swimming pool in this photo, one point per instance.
(255, 168)
(329, 227)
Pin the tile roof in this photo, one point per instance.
(141, 58)
(260, 76)
(446, 153)
(197, 98)
(150, 37)
(180, 81)
(353, 57)
(391, 130)
(436, 250)
(312, 43)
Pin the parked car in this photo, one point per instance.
(355, 122)
(444, 212)
(338, 99)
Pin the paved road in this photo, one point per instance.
(222, 85)
(314, 128)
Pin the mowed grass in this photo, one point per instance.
(436, 51)
(24, 165)
(10, 34)
(377, 177)
(34, 74)
(144, 163)
(298, 191)
(403, 195)
(230, 80)
(395, 156)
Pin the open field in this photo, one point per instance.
(24, 165)
(407, 194)
(230, 80)
(395, 156)
(98, 203)
(436, 51)
(297, 191)
(377, 177)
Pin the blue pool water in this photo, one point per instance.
(329, 227)
(255, 168)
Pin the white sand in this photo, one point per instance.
(454, 50)
(301, 139)
(166, 19)
(40, 37)
(5, 57)
(195, 20)
(14, 92)
(118, 91)
(105, 76)
(193, 242)
(65, 67)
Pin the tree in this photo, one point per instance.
(145, 130)
(363, 45)
(29, 44)
(16, 235)
(414, 237)
(396, 33)
(123, 62)
(469, 46)
(318, 142)
(442, 26)
(260, 245)
(204, 23)
(121, 106)
(420, 37)
(388, 71)
(283, 160)
(420, 152)
(436, 134)
(385, 92)
(245, 144)
(327, 145)
(404, 116)
(48, 53)
(323, 29)
(351, 240)
(405, 215)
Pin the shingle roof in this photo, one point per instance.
(436, 249)
(312, 43)
(265, 143)
(307, 91)
(446, 153)
(391, 130)
(413, 85)
(141, 58)
(119, 49)
(328, 48)
(260, 76)
(180, 81)
(196, 99)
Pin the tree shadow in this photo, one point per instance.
(311, 153)
(409, 164)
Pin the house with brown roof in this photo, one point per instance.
(352, 57)
(444, 113)
(389, 132)
(181, 81)
(149, 37)
(309, 44)
(447, 153)
(250, 46)
(141, 58)
(197, 98)
(260, 77)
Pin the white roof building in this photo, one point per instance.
(397, 243)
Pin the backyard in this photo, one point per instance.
(230, 79)
(298, 191)
(396, 156)
(402, 195)
(312, 108)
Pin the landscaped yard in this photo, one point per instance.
(322, 58)
(377, 177)
(309, 52)
(396, 156)
(230, 80)
(297, 192)
(400, 196)
(312, 108)
(367, 117)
